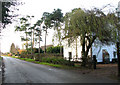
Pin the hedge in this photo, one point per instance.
(49, 58)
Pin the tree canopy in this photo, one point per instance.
(13, 50)
(90, 25)
(6, 9)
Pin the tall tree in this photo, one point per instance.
(13, 49)
(47, 24)
(38, 31)
(57, 21)
(91, 25)
(30, 32)
(24, 26)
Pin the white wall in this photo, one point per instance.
(110, 49)
(72, 48)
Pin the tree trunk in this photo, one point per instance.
(33, 39)
(45, 40)
(76, 50)
(31, 43)
(39, 47)
(39, 44)
(87, 50)
(83, 53)
(89, 45)
(60, 49)
(26, 42)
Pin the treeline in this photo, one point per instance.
(89, 25)
(53, 49)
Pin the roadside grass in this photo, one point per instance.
(76, 66)
(51, 64)
(0, 58)
(42, 63)
(48, 64)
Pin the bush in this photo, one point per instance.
(55, 49)
(36, 50)
(56, 60)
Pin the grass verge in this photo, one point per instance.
(42, 63)
(0, 58)
(76, 66)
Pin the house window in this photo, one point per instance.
(70, 56)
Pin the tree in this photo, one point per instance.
(24, 26)
(57, 20)
(91, 25)
(38, 31)
(13, 49)
(30, 32)
(6, 9)
(47, 24)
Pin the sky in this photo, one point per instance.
(37, 7)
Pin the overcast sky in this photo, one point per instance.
(37, 7)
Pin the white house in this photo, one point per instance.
(102, 53)
(105, 51)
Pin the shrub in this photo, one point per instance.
(56, 60)
(36, 50)
(55, 49)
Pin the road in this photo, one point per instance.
(18, 71)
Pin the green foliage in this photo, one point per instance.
(57, 18)
(13, 50)
(91, 25)
(27, 59)
(52, 60)
(47, 20)
(38, 32)
(47, 24)
(6, 15)
(43, 63)
(57, 21)
(24, 25)
(56, 60)
(1, 58)
(36, 50)
(55, 49)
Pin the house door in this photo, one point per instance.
(70, 56)
(106, 57)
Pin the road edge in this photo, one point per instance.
(1, 60)
(2, 66)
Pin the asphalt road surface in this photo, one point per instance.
(18, 71)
